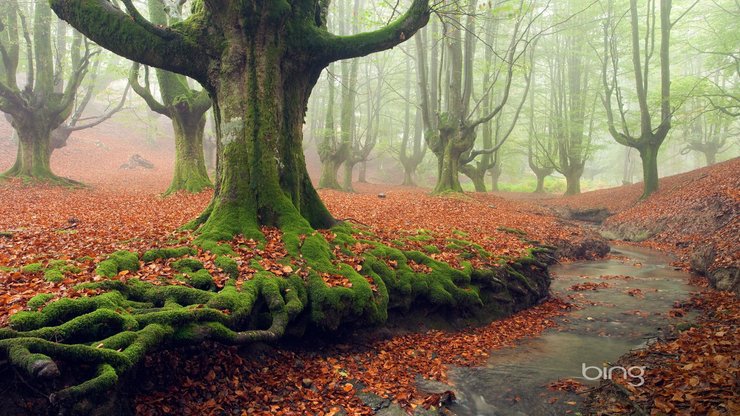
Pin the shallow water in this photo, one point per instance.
(610, 323)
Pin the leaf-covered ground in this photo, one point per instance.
(123, 211)
(691, 210)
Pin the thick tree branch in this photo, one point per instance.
(132, 37)
(335, 48)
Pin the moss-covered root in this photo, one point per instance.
(117, 262)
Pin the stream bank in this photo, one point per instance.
(622, 303)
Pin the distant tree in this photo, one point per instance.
(184, 106)
(648, 139)
(78, 121)
(48, 96)
(451, 134)
(412, 150)
(363, 143)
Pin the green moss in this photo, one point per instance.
(460, 233)
(511, 230)
(431, 249)
(201, 280)
(167, 253)
(84, 259)
(39, 300)
(215, 247)
(32, 268)
(107, 268)
(117, 262)
(228, 265)
(53, 275)
(187, 265)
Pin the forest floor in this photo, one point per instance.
(123, 210)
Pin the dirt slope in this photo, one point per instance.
(694, 215)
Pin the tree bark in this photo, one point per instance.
(261, 176)
(190, 174)
(649, 156)
(540, 189)
(34, 155)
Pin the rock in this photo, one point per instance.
(136, 161)
(307, 382)
(594, 215)
(726, 278)
(381, 195)
(375, 402)
(392, 410)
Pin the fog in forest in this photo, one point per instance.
(523, 96)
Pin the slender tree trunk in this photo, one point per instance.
(495, 176)
(362, 178)
(329, 171)
(190, 168)
(711, 156)
(478, 181)
(408, 177)
(649, 156)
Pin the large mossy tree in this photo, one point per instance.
(47, 99)
(185, 107)
(259, 61)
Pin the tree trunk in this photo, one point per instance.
(34, 152)
(329, 170)
(711, 156)
(408, 176)
(349, 167)
(190, 168)
(649, 156)
(573, 180)
(449, 163)
(362, 178)
(540, 183)
(495, 176)
(261, 175)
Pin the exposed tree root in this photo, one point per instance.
(114, 331)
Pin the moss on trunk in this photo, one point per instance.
(190, 174)
(33, 160)
(649, 156)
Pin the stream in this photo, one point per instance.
(609, 323)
